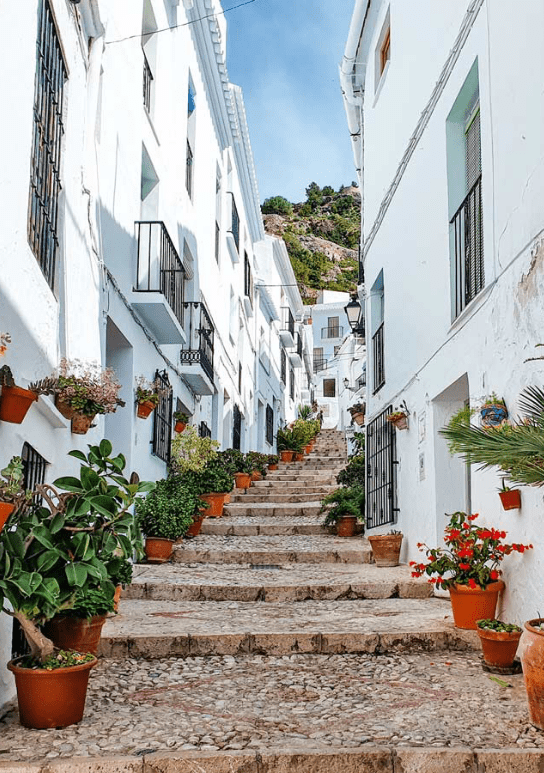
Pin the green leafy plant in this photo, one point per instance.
(11, 483)
(273, 459)
(86, 387)
(498, 625)
(354, 473)
(357, 408)
(258, 462)
(148, 391)
(276, 205)
(190, 452)
(304, 412)
(60, 659)
(344, 501)
(167, 512)
(180, 416)
(120, 570)
(90, 602)
(215, 478)
(52, 552)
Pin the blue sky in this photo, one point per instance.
(285, 55)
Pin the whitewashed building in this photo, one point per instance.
(445, 109)
(131, 232)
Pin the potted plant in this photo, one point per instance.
(12, 493)
(82, 390)
(239, 465)
(347, 509)
(510, 497)
(80, 627)
(399, 419)
(48, 554)
(499, 642)
(259, 465)
(273, 460)
(166, 514)
(468, 566)
(15, 401)
(190, 452)
(148, 394)
(493, 411)
(386, 548)
(214, 482)
(304, 412)
(120, 571)
(531, 651)
(181, 420)
(357, 412)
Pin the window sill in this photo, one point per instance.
(46, 407)
(470, 310)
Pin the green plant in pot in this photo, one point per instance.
(259, 463)
(181, 420)
(344, 508)
(214, 483)
(12, 493)
(166, 514)
(49, 556)
(190, 452)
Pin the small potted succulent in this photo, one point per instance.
(386, 548)
(346, 510)
(165, 515)
(12, 493)
(399, 419)
(357, 412)
(499, 642)
(289, 444)
(510, 497)
(181, 420)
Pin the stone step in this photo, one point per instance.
(296, 482)
(300, 582)
(254, 526)
(301, 475)
(276, 550)
(291, 497)
(159, 629)
(271, 509)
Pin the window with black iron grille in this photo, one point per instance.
(381, 484)
(217, 240)
(283, 358)
(189, 170)
(235, 222)
(292, 385)
(378, 359)
(240, 378)
(162, 427)
(204, 430)
(329, 387)
(248, 279)
(148, 80)
(34, 466)
(269, 425)
(45, 182)
(236, 428)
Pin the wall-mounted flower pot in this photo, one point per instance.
(286, 456)
(51, 698)
(6, 509)
(401, 423)
(158, 549)
(145, 409)
(15, 403)
(242, 479)
(179, 426)
(493, 414)
(64, 408)
(511, 500)
(81, 423)
(386, 548)
(499, 647)
(215, 502)
(75, 633)
(358, 418)
(471, 604)
(347, 526)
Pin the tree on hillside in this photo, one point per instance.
(277, 205)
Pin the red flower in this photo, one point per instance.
(493, 574)
(473, 517)
(464, 566)
(472, 583)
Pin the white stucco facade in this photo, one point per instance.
(444, 343)
(156, 243)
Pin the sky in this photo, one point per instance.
(285, 56)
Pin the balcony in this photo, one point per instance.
(158, 294)
(295, 355)
(196, 358)
(287, 329)
(332, 332)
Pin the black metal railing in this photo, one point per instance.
(298, 345)
(159, 268)
(162, 418)
(48, 130)
(337, 331)
(217, 240)
(381, 490)
(283, 358)
(189, 170)
(378, 364)
(320, 364)
(148, 80)
(292, 385)
(248, 280)
(287, 320)
(468, 246)
(235, 222)
(236, 428)
(204, 430)
(200, 339)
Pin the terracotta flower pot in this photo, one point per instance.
(117, 597)
(298, 456)
(499, 647)
(286, 456)
(272, 467)
(226, 498)
(145, 408)
(179, 426)
(511, 500)
(51, 698)
(158, 549)
(471, 604)
(195, 527)
(358, 418)
(532, 660)
(15, 403)
(386, 548)
(347, 526)
(75, 633)
(81, 423)
(215, 501)
(6, 509)
(242, 479)
(401, 423)
(308, 448)
(64, 408)
(256, 475)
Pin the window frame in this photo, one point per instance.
(162, 419)
(328, 381)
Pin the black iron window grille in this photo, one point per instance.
(235, 222)
(236, 428)
(288, 321)
(189, 170)
(34, 466)
(162, 427)
(269, 425)
(217, 240)
(148, 80)
(320, 364)
(283, 358)
(204, 430)
(45, 182)
(468, 247)
(298, 345)
(159, 268)
(201, 339)
(378, 363)
(336, 331)
(381, 489)
(292, 385)
(248, 280)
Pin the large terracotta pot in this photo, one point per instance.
(272, 467)
(158, 549)
(347, 526)
(15, 403)
(6, 509)
(499, 647)
(51, 698)
(117, 597)
(386, 548)
(75, 633)
(145, 408)
(308, 448)
(511, 500)
(215, 502)
(242, 479)
(195, 527)
(81, 423)
(286, 456)
(256, 475)
(532, 660)
(358, 418)
(471, 604)
(64, 408)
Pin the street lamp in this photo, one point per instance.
(355, 316)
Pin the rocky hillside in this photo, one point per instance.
(322, 237)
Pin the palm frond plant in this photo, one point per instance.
(345, 502)
(304, 412)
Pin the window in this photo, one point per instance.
(269, 425)
(34, 466)
(381, 485)
(336, 350)
(45, 182)
(333, 327)
(240, 378)
(149, 48)
(217, 214)
(377, 311)
(319, 360)
(189, 170)
(148, 80)
(191, 137)
(248, 279)
(382, 52)
(236, 428)
(385, 51)
(283, 367)
(162, 427)
(329, 387)
(235, 223)
(292, 387)
(204, 430)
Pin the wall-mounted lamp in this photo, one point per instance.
(355, 315)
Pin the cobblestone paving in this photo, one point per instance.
(309, 702)
(296, 542)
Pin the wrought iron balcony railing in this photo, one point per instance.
(288, 321)
(200, 338)
(320, 364)
(159, 268)
(337, 331)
